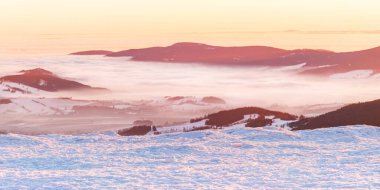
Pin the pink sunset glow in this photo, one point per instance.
(189, 94)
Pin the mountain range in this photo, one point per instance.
(312, 61)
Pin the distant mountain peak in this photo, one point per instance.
(45, 80)
(92, 52)
(36, 71)
(187, 44)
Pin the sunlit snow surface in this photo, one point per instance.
(233, 158)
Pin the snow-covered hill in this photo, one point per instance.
(232, 158)
(44, 80)
(11, 89)
(242, 117)
(40, 106)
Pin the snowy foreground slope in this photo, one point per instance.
(232, 158)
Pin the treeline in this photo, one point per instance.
(260, 121)
(224, 118)
(5, 101)
(367, 113)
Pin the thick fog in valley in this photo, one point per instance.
(239, 86)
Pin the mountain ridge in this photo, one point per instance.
(45, 80)
(363, 113)
(317, 61)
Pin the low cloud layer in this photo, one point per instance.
(239, 86)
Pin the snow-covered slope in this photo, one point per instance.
(202, 124)
(11, 89)
(232, 158)
(40, 106)
(182, 127)
(355, 74)
(47, 81)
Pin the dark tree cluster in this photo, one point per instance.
(135, 131)
(228, 117)
(260, 121)
(5, 101)
(367, 113)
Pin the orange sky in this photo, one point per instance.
(70, 25)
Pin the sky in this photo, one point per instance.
(57, 26)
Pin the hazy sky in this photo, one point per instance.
(65, 25)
